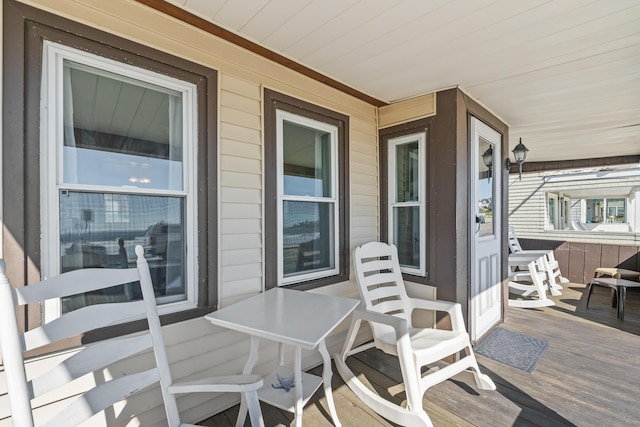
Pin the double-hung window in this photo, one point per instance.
(306, 193)
(118, 151)
(307, 198)
(406, 200)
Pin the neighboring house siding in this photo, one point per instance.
(527, 208)
(195, 347)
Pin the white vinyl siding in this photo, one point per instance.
(196, 348)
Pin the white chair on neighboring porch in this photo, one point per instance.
(110, 383)
(388, 309)
(550, 265)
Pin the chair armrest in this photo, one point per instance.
(400, 325)
(231, 383)
(454, 310)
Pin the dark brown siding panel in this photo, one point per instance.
(609, 256)
(592, 257)
(562, 256)
(576, 262)
(443, 195)
(13, 145)
(627, 258)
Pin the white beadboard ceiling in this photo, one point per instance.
(563, 74)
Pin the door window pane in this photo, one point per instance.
(119, 131)
(308, 230)
(485, 188)
(306, 161)
(88, 239)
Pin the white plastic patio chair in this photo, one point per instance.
(551, 264)
(388, 309)
(110, 388)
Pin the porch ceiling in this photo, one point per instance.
(565, 75)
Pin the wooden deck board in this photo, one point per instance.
(589, 375)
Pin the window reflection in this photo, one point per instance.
(485, 189)
(308, 231)
(307, 161)
(119, 131)
(95, 232)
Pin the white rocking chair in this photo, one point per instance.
(99, 356)
(551, 265)
(388, 309)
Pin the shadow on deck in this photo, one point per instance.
(589, 375)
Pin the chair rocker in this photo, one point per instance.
(387, 308)
(99, 357)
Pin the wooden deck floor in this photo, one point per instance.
(589, 375)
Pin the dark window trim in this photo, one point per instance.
(278, 101)
(25, 28)
(384, 135)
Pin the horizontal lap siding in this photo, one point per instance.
(196, 348)
(365, 192)
(240, 169)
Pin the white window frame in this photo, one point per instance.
(552, 223)
(422, 194)
(281, 117)
(51, 171)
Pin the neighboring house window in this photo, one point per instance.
(552, 211)
(406, 198)
(118, 162)
(608, 211)
(586, 214)
(307, 147)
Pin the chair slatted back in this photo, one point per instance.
(514, 244)
(96, 358)
(380, 282)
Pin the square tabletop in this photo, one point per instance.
(293, 317)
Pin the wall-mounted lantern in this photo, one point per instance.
(520, 155)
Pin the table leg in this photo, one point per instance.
(248, 368)
(326, 382)
(298, 388)
(622, 294)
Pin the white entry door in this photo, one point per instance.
(485, 223)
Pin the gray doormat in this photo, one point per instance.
(513, 348)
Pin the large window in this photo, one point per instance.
(118, 170)
(406, 175)
(306, 185)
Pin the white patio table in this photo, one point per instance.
(297, 318)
